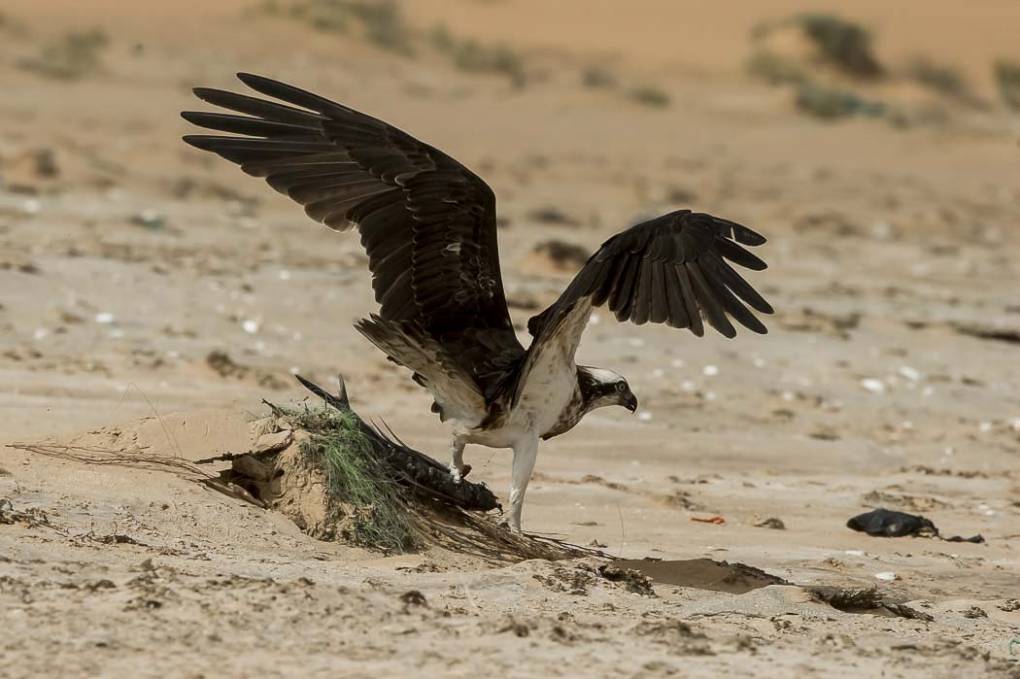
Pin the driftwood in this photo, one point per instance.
(413, 469)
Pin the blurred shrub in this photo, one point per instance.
(843, 44)
(73, 56)
(597, 77)
(1007, 77)
(381, 21)
(775, 69)
(650, 96)
(942, 78)
(470, 55)
(831, 103)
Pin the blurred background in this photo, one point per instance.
(874, 143)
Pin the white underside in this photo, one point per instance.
(549, 386)
(546, 394)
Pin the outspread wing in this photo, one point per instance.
(674, 269)
(427, 223)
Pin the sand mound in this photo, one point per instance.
(334, 476)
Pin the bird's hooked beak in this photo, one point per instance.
(629, 401)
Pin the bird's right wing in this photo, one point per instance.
(673, 269)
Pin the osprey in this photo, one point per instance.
(428, 225)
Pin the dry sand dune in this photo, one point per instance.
(149, 293)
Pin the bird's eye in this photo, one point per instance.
(620, 386)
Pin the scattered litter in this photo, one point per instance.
(887, 576)
(644, 416)
(888, 523)
(250, 326)
(31, 206)
(1009, 605)
(875, 386)
(633, 580)
(149, 219)
(716, 519)
(771, 522)
(104, 318)
(710, 370)
(866, 600)
(40, 333)
(892, 524)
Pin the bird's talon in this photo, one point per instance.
(458, 474)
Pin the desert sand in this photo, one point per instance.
(151, 293)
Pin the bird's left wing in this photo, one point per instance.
(674, 269)
(428, 224)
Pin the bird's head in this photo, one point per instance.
(601, 387)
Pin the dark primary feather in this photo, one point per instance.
(427, 223)
(673, 269)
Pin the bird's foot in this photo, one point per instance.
(511, 527)
(459, 473)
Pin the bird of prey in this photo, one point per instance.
(428, 225)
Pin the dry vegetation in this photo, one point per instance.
(72, 57)
(838, 75)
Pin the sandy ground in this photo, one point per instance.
(889, 378)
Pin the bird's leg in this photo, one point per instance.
(458, 470)
(525, 452)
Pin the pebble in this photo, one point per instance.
(888, 576)
(875, 386)
(911, 374)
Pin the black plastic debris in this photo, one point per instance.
(887, 523)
